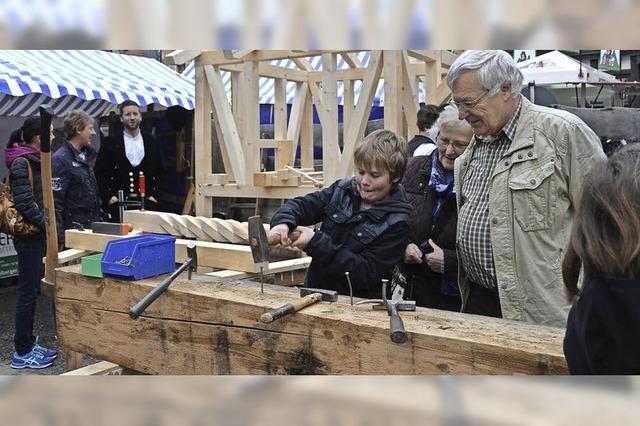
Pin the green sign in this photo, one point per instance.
(609, 60)
(8, 257)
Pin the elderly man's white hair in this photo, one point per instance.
(495, 68)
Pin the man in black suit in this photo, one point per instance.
(122, 157)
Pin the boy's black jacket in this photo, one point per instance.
(366, 243)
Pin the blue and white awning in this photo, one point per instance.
(94, 81)
(266, 85)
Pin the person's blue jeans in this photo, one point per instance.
(30, 272)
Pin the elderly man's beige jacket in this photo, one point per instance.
(533, 195)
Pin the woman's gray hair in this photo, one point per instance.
(495, 68)
(448, 118)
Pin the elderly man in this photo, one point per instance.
(517, 187)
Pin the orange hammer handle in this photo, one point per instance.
(290, 308)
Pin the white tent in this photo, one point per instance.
(558, 68)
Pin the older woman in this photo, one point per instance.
(75, 188)
(430, 267)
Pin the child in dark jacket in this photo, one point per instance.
(364, 220)
(604, 323)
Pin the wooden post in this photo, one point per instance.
(202, 118)
(347, 107)
(280, 109)
(392, 75)
(251, 110)
(306, 133)
(330, 148)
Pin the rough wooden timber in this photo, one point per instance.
(204, 327)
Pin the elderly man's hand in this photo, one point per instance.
(412, 254)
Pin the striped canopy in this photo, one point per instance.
(94, 81)
(266, 85)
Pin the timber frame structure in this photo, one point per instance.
(237, 123)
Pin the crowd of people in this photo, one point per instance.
(499, 207)
(84, 184)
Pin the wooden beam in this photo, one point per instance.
(200, 326)
(180, 57)
(280, 109)
(101, 368)
(306, 134)
(393, 88)
(258, 192)
(410, 103)
(313, 86)
(330, 148)
(202, 145)
(347, 107)
(215, 255)
(352, 60)
(251, 112)
(271, 179)
(216, 57)
(68, 255)
(230, 137)
(273, 268)
(361, 114)
(297, 116)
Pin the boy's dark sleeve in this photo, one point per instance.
(22, 193)
(366, 268)
(306, 210)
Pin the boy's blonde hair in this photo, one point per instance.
(384, 150)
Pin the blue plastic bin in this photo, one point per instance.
(140, 257)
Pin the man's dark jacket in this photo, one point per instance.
(603, 328)
(28, 200)
(365, 243)
(422, 228)
(75, 190)
(114, 171)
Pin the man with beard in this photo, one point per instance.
(122, 157)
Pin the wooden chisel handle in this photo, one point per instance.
(275, 239)
(289, 308)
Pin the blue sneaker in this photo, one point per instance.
(31, 359)
(48, 353)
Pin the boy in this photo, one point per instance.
(364, 220)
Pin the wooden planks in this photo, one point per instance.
(215, 255)
(204, 327)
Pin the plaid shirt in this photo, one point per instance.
(474, 234)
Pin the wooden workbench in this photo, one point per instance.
(207, 327)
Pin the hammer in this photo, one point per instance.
(191, 264)
(309, 296)
(260, 243)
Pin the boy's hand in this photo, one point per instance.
(434, 259)
(282, 231)
(412, 254)
(306, 234)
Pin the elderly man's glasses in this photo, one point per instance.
(468, 105)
